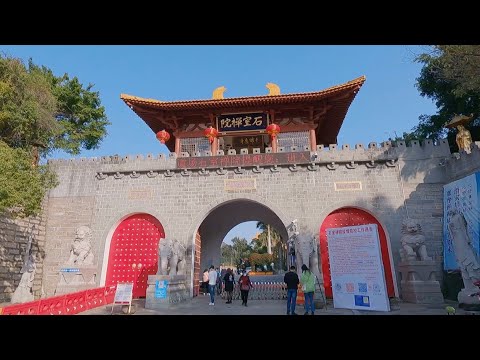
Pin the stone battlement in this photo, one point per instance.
(384, 151)
(461, 164)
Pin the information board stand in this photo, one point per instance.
(123, 296)
(356, 268)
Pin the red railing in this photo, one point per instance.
(68, 304)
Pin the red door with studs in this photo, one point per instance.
(351, 217)
(134, 252)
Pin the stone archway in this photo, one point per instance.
(351, 216)
(219, 221)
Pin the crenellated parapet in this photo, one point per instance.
(461, 164)
(330, 158)
(416, 150)
(117, 163)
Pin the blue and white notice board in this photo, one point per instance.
(356, 268)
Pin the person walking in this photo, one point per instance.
(308, 285)
(205, 282)
(229, 281)
(212, 283)
(245, 286)
(292, 281)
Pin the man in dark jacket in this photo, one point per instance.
(292, 281)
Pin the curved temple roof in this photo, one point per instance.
(326, 109)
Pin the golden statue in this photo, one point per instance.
(463, 138)
(218, 92)
(273, 89)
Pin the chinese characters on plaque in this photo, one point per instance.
(242, 122)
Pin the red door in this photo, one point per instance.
(351, 217)
(134, 252)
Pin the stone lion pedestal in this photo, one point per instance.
(73, 279)
(418, 282)
(165, 290)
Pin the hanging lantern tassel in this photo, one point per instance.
(163, 136)
(273, 130)
(210, 133)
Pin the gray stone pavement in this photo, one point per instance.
(199, 306)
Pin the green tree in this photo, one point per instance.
(39, 113)
(228, 255)
(22, 186)
(449, 77)
(241, 248)
(275, 239)
(27, 106)
(39, 109)
(79, 112)
(258, 246)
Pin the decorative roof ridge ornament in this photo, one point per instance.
(273, 89)
(218, 92)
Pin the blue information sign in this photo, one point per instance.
(161, 287)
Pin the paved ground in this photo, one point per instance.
(199, 306)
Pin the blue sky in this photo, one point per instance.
(388, 102)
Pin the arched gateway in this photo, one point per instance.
(270, 158)
(220, 220)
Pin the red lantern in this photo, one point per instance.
(210, 133)
(163, 136)
(273, 130)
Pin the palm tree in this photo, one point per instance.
(270, 238)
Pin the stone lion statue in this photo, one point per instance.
(81, 250)
(413, 242)
(172, 255)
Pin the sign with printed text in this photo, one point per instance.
(69, 270)
(123, 293)
(242, 122)
(248, 141)
(161, 287)
(225, 161)
(462, 196)
(356, 267)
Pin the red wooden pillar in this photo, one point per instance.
(274, 144)
(273, 139)
(214, 146)
(177, 146)
(313, 140)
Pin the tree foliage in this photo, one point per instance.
(22, 186)
(39, 113)
(450, 77)
(38, 108)
(232, 254)
(79, 112)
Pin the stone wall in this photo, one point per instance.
(397, 180)
(459, 165)
(100, 192)
(14, 236)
